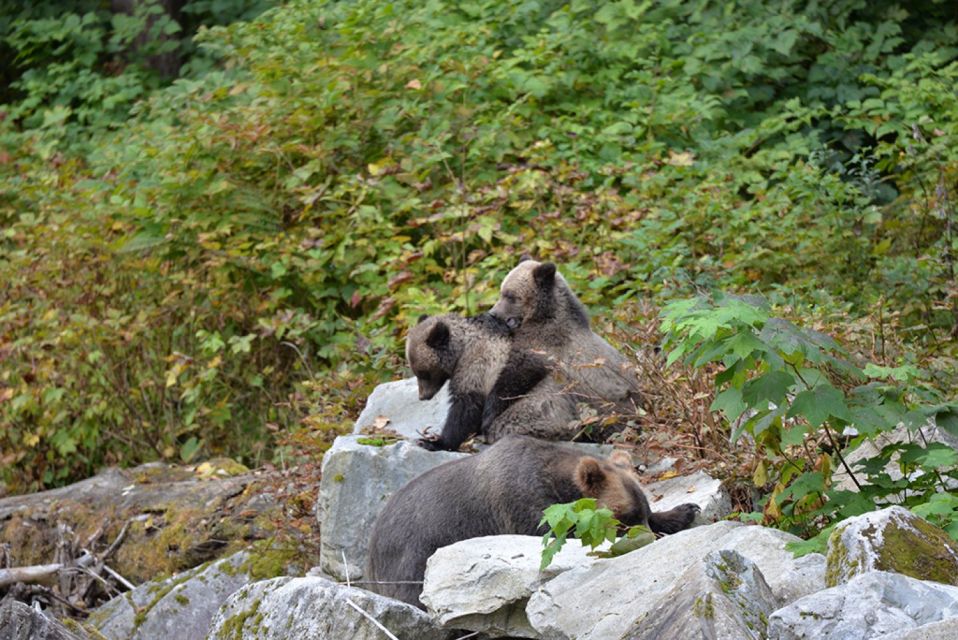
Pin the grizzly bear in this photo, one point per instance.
(504, 489)
(544, 314)
(494, 388)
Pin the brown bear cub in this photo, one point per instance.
(504, 489)
(537, 304)
(494, 388)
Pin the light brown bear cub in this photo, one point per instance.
(544, 314)
(494, 389)
(503, 490)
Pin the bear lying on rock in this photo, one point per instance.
(503, 490)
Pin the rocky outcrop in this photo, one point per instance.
(357, 480)
(314, 608)
(698, 488)
(179, 607)
(788, 577)
(175, 517)
(396, 406)
(870, 605)
(945, 630)
(871, 448)
(483, 584)
(21, 622)
(605, 599)
(892, 539)
(723, 597)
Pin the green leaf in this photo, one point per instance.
(190, 448)
(730, 403)
(818, 404)
(770, 387)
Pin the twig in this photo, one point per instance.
(371, 619)
(116, 543)
(36, 574)
(468, 635)
(345, 567)
(126, 583)
(302, 358)
(387, 582)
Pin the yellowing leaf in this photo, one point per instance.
(414, 84)
(682, 159)
(760, 477)
(377, 169)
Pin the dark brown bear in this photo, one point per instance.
(504, 489)
(545, 315)
(494, 388)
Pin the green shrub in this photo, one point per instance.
(807, 405)
(194, 268)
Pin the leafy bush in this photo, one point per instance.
(807, 405)
(199, 270)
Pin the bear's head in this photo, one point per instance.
(528, 294)
(614, 485)
(431, 353)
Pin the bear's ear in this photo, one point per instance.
(524, 257)
(545, 274)
(439, 336)
(422, 318)
(590, 477)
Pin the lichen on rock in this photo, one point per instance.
(892, 539)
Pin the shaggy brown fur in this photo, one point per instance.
(504, 489)
(538, 305)
(495, 389)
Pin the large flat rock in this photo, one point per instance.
(314, 608)
(357, 481)
(396, 406)
(483, 584)
(870, 605)
(698, 488)
(176, 517)
(606, 598)
(723, 597)
(892, 539)
(21, 622)
(178, 607)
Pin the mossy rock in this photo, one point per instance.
(892, 539)
(175, 518)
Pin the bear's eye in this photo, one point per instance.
(508, 296)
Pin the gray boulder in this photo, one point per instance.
(789, 578)
(947, 629)
(724, 597)
(604, 600)
(870, 605)
(396, 406)
(698, 488)
(179, 607)
(483, 584)
(21, 622)
(357, 479)
(872, 447)
(893, 539)
(314, 608)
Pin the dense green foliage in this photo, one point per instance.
(801, 398)
(239, 254)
